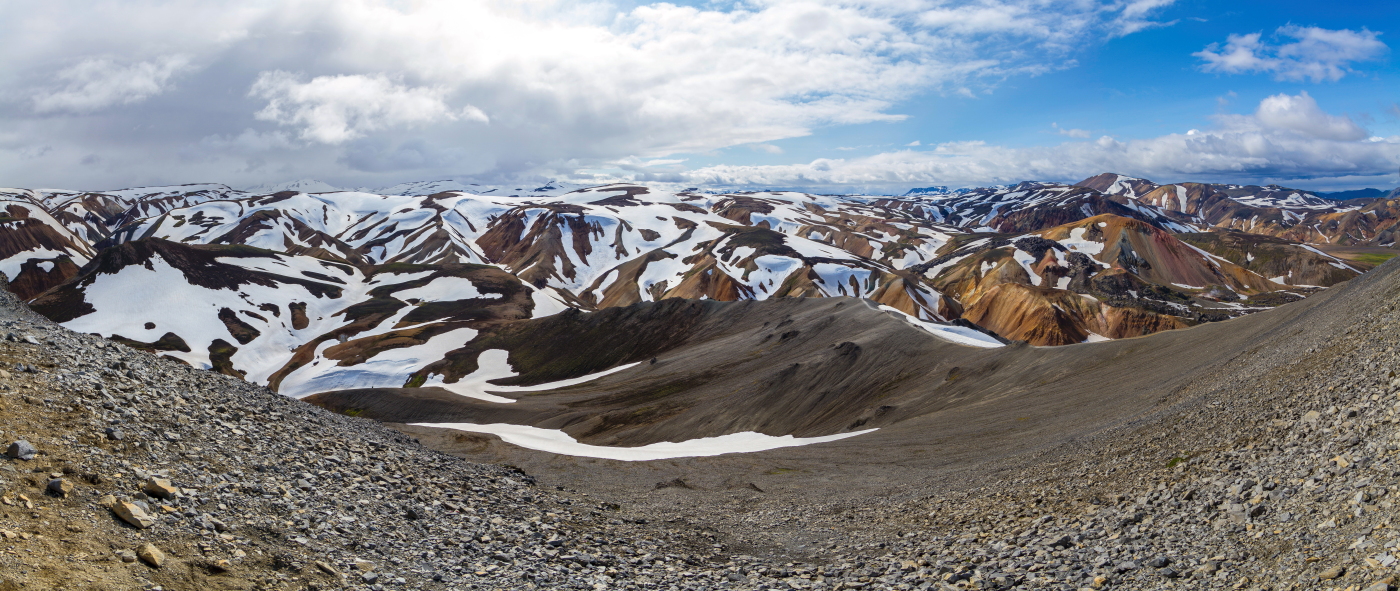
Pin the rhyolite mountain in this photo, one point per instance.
(312, 291)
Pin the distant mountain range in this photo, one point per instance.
(308, 288)
(1360, 194)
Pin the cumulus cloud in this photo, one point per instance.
(1301, 114)
(335, 109)
(97, 83)
(1315, 54)
(1286, 137)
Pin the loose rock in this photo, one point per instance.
(21, 450)
(151, 555)
(133, 514)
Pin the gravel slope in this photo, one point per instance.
(273, 493)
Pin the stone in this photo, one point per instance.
(1379, 586)
(126, 555)
(60, 487)
(107, 501)
(151, 555)
(133, 514)
(325, 567)
(363, 566)
(114, 434)
(160, 488)
(220, 566)
(21, 450)
(1158, 562)
(1332, 573)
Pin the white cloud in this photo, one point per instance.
(1287, 137)
(913, 144)
(384, 83)
(766, 148)
(96, 83)
(1135, 16)
(1075, 133)
(1316, 54)
(1301, 114)
(1058, 23)
(335, 109)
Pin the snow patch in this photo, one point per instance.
(388, 369)
(445, 289)
(559, 442)
(948, 332)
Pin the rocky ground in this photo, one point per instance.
(230, 486)
(1277, 471)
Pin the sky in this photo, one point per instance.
(844, 96)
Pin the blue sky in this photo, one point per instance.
(826, 95)
(1141, 85)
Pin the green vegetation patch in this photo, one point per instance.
(1374, 258)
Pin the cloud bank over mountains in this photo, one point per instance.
(1287, 136)
(370, 92)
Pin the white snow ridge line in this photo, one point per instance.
(559, 442)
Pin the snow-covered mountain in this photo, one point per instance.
(309, 291)
(1270, 210)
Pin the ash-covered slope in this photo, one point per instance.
(806, 368)
(1258, 451)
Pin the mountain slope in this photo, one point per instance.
(312, 304)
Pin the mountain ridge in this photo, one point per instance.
(1051, 264)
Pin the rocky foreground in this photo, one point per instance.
(1276, 472)
(127, 471)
